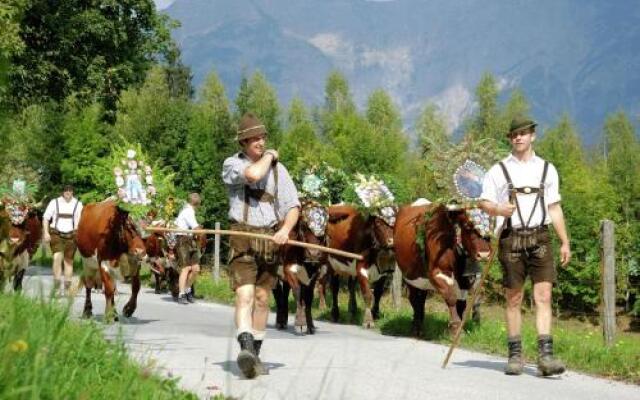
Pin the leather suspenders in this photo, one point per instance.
(539, 191)
(71, 216)
(262, 196)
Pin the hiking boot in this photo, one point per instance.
(247, 359)
(190, 297)
(548, 365)
(515, 364)
(183, 299)
(260, 367)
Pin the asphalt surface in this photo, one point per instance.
(196, 343)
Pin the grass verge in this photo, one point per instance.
(47, 356)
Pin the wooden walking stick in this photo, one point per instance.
(258, 236)
(465, 314)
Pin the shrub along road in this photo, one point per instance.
(196, 342)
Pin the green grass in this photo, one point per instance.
(45, 355)
(578, 343)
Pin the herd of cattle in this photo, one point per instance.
(428, 242)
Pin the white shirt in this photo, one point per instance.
(187, 218)
(64, 225)
(523, 173)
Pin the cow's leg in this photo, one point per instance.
(300, 315)
(353, 305)
(363, 280)
(322, 287)
(17, 280)
(413, 299)
(378, 291)
(110, 313)
(88, 307)
(281, 300)
(307, 299)
(335, 289)
(132, 304)
(445, 285)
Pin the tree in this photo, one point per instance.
(95, 49)
(301, 147)
(85, 140)
(258, 96)
(431, 130)
(337, 97)
(179, 76)
(382, 113)
(151, 117)
(209, 141)
(486, 123)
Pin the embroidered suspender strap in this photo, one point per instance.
(512, 193)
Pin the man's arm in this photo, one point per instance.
(260, 168)
(46, 219)
(290, 221)
(495, 209)
(557, 219)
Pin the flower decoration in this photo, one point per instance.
(481, 220)
(373, 193)
(316, 217)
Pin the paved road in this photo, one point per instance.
(340, 362)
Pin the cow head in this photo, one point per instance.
(133, 239)
(312, 228)
(383, 223)
(473, 231)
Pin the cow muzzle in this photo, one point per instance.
(483, 255)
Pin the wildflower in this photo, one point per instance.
(19, 346)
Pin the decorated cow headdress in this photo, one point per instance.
(18, 200)
(374, 195)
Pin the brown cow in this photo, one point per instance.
(20, 235)
(105, 233)
(377, 233)
(436, 262)
(349, 230)
(302, 266)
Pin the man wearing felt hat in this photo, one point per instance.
(522, 190)
(263, 199)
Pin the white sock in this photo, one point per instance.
(259, 335)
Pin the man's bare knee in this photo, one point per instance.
(514, 297)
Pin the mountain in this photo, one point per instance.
(576, 56)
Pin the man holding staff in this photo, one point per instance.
(523, 191)
(263, 199)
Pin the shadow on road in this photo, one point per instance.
(232, 367)
(494, 365)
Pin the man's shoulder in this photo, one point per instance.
(235, 157)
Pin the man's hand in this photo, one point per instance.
(565, 254)
(505, 209)
(274, 154)
(282, 236)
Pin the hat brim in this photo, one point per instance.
(251, 133)
(531, 125)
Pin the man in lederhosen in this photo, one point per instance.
(522, 190)
(59, 225)
(188, 249)
(263, 199)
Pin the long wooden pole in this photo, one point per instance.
(258, 236)
(470, 303)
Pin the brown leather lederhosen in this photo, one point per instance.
(526, 250)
